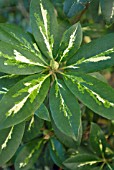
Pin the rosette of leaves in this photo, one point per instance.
(54, 70)
(99, 154)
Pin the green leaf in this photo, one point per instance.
(32, 128)
(23, 99)
(57, 152)
(107, 9)
(10, 140)
(83, 161)
(74, 8)
(94, 56)
(95, 94)
(65, 139)
(14, 60)
(64, 108)
(16, 36)
(28, 155)
(43, 113)
(44, 25)
(7, 81)
(98, 76)
(70, 42)
(97, 140)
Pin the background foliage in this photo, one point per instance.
(97, 19)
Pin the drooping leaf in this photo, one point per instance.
(97, 140)
(32, 128)
(95, 94)
(14, 60)
(23, 99)
(70, 42)
(28, 154)
(43, 113)
(10, 140)
(83, 161)
(107, 8)
(57, 152)
(44, 25)
(64, 108)
(94, 56)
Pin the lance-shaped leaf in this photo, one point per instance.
(28, 155)
(94, 56)
(14, 60)
(23, 99)
(10, 139)
(97, 140)
(57, 152)
(16, 36)
(70, 42)
(32, 128)
(107, 8)
(84, 161)
(95, 94)
(43, 113)
(65, 110)
(44, 25)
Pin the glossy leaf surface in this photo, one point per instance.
(95, 94)
(28, 155)
(83, 161)
(23, 99)
(10, 140)
(64, 108)
(94, 56)
(44, 25)
(70, 42)
(14, 60)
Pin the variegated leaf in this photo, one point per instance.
(98, 141)
(33, 128)
(10, 140)
(44, 25)
(28, 155)
(23, 99)
(65, 139)
(94, 56)
(70, 42)
(57, 152)
(7, 81)
(14, 60)
(82, 161)
(95, 94)
(16, 36)
(65, 110)
(107, 9)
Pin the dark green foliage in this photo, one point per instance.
(47, 79)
